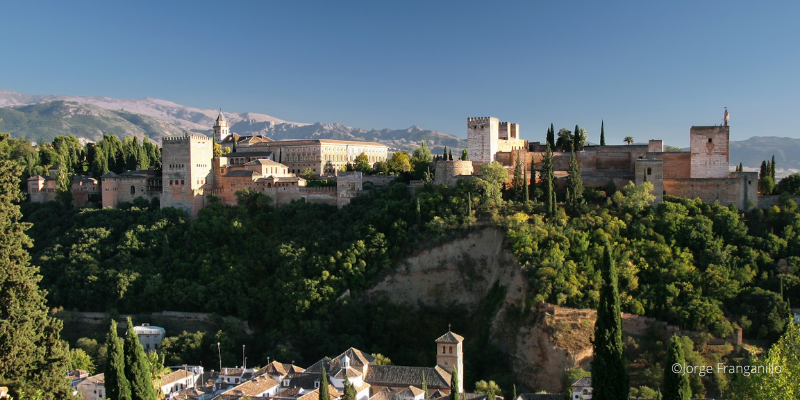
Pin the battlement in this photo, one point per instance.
(708, 129)
(185, 139)
(479, 119)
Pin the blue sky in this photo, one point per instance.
(649, 69)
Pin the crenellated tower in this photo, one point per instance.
(482, 138)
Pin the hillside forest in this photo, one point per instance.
(286, 270)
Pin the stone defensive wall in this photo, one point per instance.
(448, 172)
(163, 319)
(285, 195)
(773, 201)
(591, 159)
(638, 325)
(725, 190)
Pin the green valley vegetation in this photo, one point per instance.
(695, 265)
(32, 356)
(772, 375)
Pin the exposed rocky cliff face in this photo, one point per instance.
(541, 346)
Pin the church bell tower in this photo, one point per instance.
(449, 354)
(221, 128)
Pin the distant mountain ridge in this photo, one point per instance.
(22, 120)
(752, 151)
(44, 121)
(42, 117)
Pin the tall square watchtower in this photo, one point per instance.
(709, 151)
(482, 138)
(186, 164)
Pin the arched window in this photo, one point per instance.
(443, 352)
(451, 349)
(133, 189)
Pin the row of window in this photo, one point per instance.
(173, 182)
(176, 166)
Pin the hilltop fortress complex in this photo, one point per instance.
(702, 172)
(190, 172)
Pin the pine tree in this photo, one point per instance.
(324, 394)
(547, 176)
(610, 379)
(117, 385)
(454, 394)
(424, 385)
(602, 133)
(137, 367)
(676, 384)
(574, 182)
(32, 356)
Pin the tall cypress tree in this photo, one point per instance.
(517, 180)
(574, 182)
(137, 367)
(547, 176)
(526, 189)
(551, 136)
(772, 168)
(763, 172)
(576, 139)
(117, 385)
(676, 384)
(424, 384)
(454, 394)
(602, 133)
(324, 394)
(32, 356)
(610, 379)
(349, 391)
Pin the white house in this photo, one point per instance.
(149, 336)
(411, 393)
(260, 386)
(176, 381)
(582, 389)
(93, 387)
